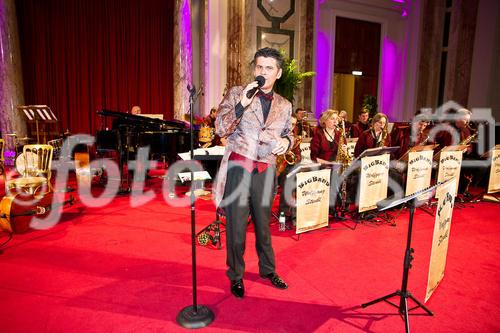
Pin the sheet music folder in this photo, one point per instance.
(375, 152)
(392, 202)
(450, 148)
(415, 149)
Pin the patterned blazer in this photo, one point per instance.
(249, 135)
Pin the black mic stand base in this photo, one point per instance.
(195, 317)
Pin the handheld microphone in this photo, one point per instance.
(260, 81)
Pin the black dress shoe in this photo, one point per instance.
(276, 280)
(237, 288)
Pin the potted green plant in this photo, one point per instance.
(290, 79)
(370, 104)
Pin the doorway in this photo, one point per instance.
(356, 68)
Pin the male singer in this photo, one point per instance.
(256, 123)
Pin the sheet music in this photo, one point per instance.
(213, 151)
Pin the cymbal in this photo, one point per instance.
(25, 139)
(11, 134)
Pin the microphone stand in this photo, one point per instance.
(194, 316)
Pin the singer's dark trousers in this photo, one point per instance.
(248, 194)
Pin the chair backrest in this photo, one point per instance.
(37, 160)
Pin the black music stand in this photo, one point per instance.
(38, 114)
(334, 166)
(404, 294)
(194, 316)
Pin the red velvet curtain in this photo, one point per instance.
(80, 56)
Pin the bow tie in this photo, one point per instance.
(268, 97)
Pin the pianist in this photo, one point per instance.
(135, 110)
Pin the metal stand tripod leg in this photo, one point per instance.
(404, 294)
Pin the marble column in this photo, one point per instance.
(183, 58)
(234, 43)
(11, 78)
(430, 53)
(460, 51)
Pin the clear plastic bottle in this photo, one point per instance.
(282, 222)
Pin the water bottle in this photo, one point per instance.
(282, 220)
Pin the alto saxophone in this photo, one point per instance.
(468, 139)
(343, 158)
(288, 158)
(342, 155)
(381, 143)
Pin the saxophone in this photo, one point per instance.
(381, 143)
(342, 155)
(344, 158)
(468, 139)
(288, 158)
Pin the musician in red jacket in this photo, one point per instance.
(324, 143)
(376, 136)
(362, 124)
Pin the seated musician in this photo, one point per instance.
(460, 132)
(406, 136)
(376, 136)
(209, 122)
(283, 167)
(303, 128)
(324, 148)
(136, 110)
(362, 124)
(324, 143)
(344, 123)
(117, 122)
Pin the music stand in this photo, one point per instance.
(404, 158)
(332, 166)
(367, 153)
(37, 114)
(404, 294)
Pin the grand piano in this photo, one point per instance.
(166, 138)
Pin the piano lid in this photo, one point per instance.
(141, 120)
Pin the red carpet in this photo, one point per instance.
(123, 269)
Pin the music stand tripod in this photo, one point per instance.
(404, 294)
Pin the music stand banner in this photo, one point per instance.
(351, 144)
(419, 171)
(441, 236)
(494, 182)
(450, 163)
(305, 152)
(313, 197)
(374, 179)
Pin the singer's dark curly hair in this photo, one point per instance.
(268, 52)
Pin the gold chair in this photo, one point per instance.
(34, 165)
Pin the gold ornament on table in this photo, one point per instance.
(206, 136)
